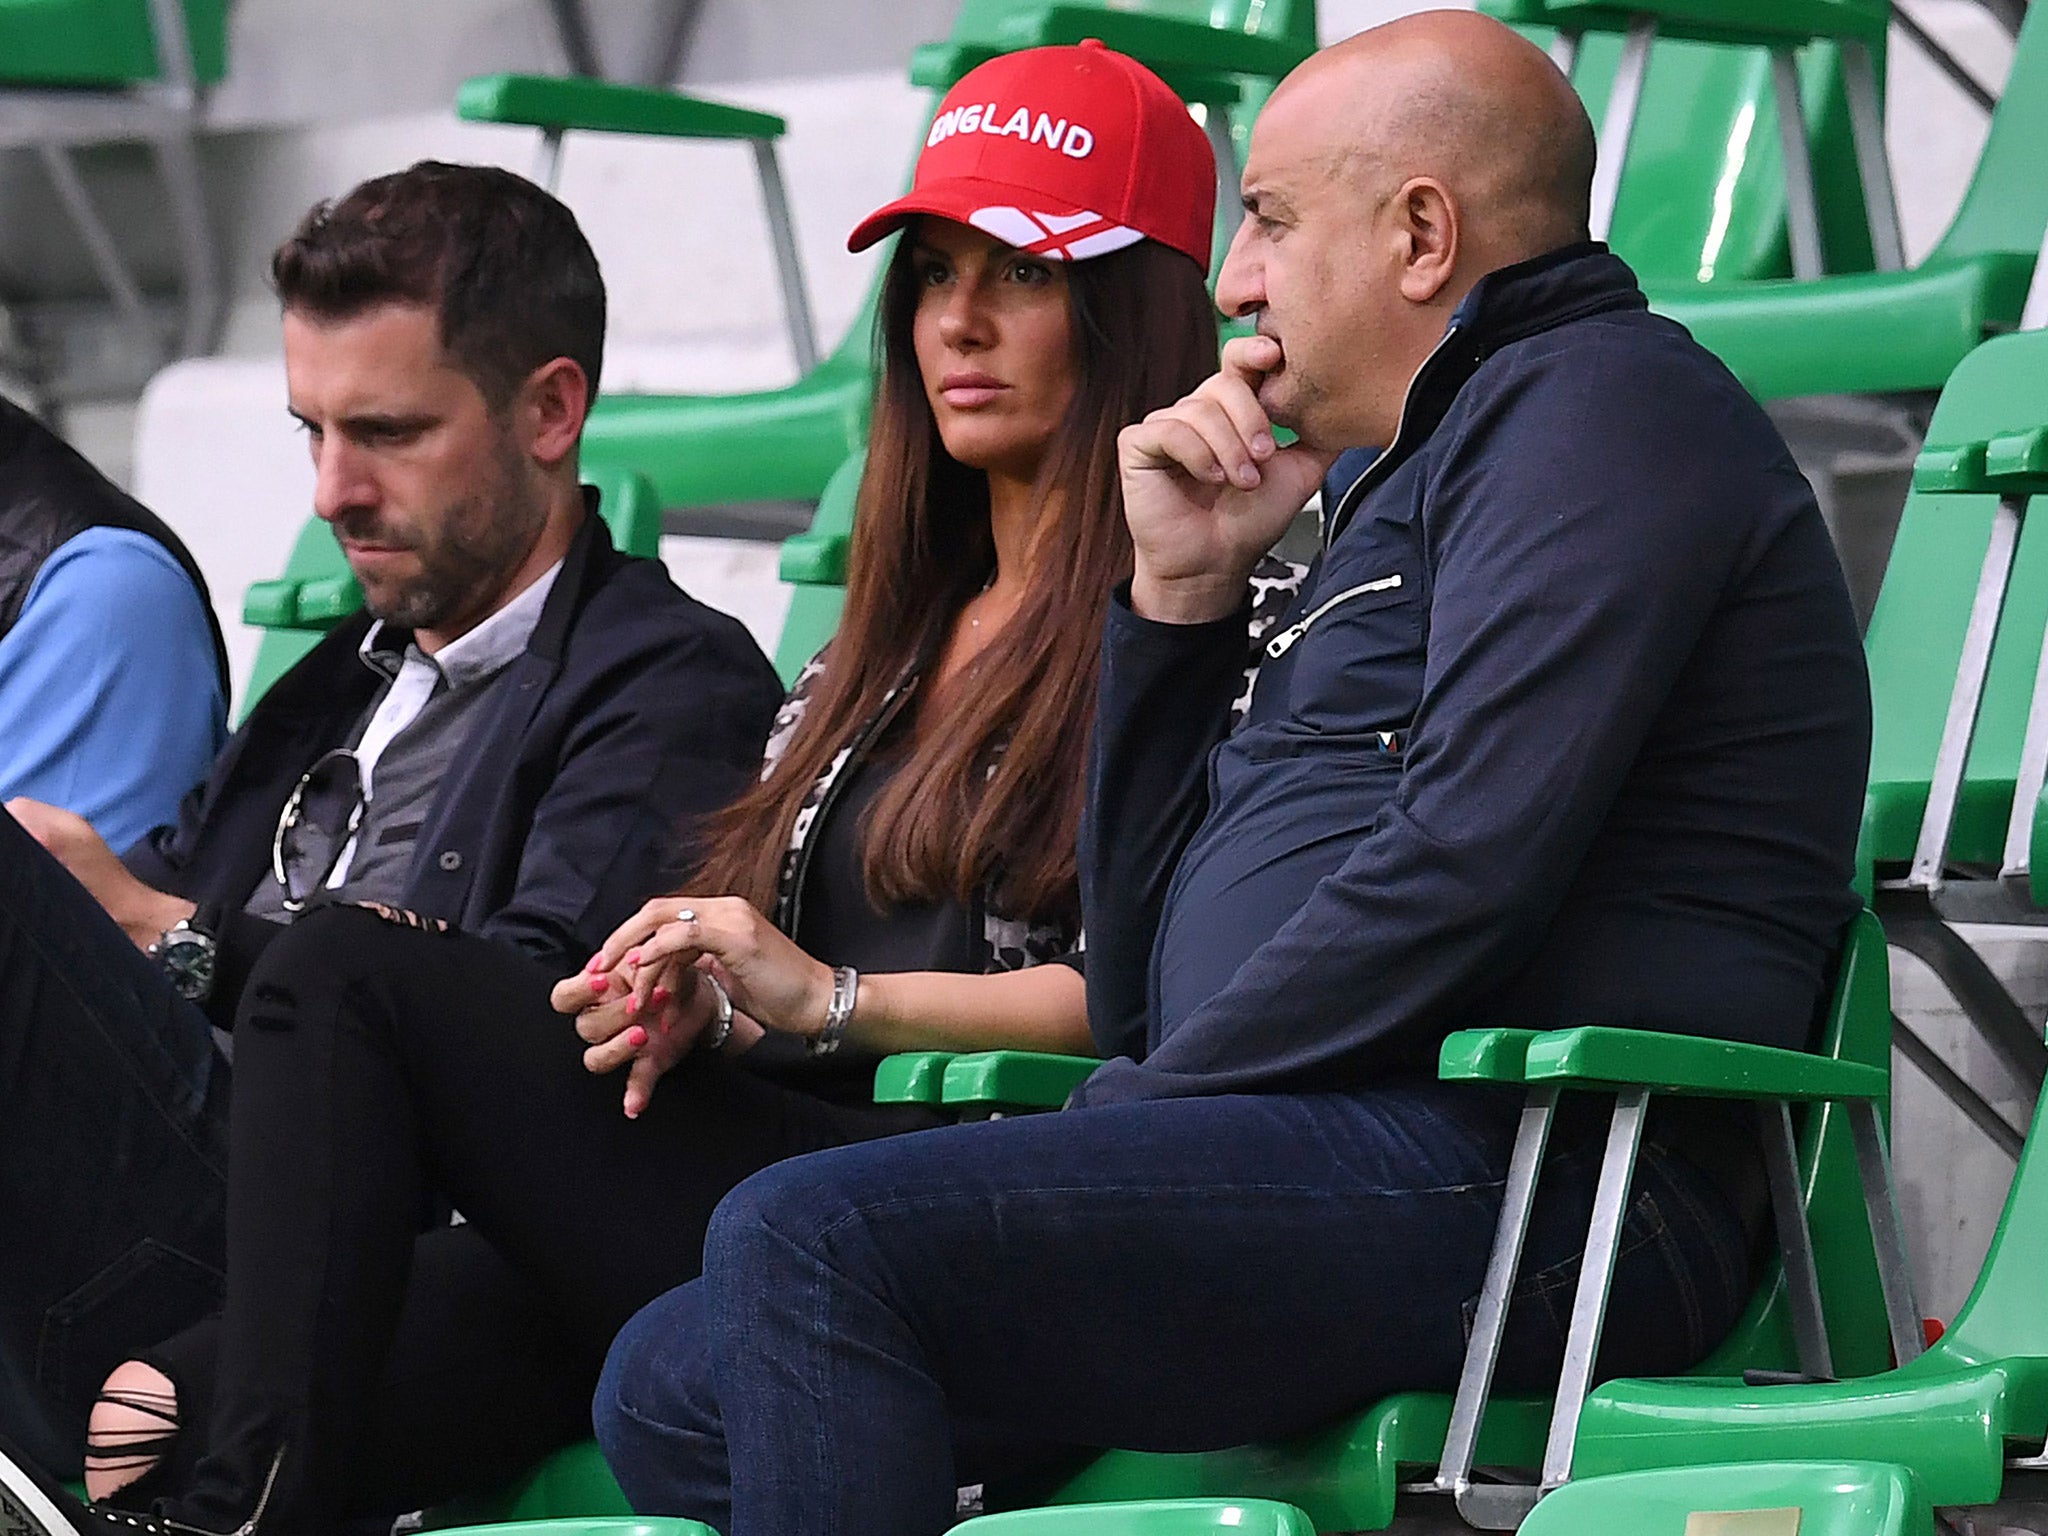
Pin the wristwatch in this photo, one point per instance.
(188, 952)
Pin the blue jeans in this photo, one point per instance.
(113, 1153)
(875, 1321)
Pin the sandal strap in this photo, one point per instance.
(135, 1445)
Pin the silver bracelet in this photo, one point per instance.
(838, 1012)
(719, 1030)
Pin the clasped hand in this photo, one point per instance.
(642, 1002)
(1207, 491)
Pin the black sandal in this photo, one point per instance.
(144, 1446)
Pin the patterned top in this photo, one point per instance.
(1008, 943)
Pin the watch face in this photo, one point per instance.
(187, 959)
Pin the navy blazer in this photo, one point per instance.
(634, 710)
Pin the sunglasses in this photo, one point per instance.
(318, 820)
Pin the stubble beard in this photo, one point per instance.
(484, 538)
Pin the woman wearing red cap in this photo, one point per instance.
(894, 881)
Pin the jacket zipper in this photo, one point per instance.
(1283, 642)
(1384, 465)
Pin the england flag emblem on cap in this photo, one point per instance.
(1063, 237)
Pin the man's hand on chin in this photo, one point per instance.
(142, 911)
(1207, 491)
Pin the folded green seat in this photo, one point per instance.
(1901, 330)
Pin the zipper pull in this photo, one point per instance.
(1283, 642)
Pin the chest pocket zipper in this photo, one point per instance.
(1283, 642)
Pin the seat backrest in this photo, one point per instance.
(1858, 1498)
(1858, 1028)
(1703, 196)
(1915, 639)
(2006, 206)
(986, 21)
(815, 564)
(102, 43)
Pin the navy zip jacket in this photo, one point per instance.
(1570, 725)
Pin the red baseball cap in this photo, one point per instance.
(1063, 152)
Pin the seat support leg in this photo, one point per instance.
(1887, 1231)
(1795, 1239)
(1618, 125)
(177, 158)
(1802, 212)
(1596, 1277)
(100, 248)
(796, 300)
(2034, 313)
(1229, 174)
(1873, 165)
(1488, 1506)
(1930, 854)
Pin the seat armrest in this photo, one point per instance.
(912, 1077)
(1014, 1079)
(271, 604)
(1485, 1055)
(815, 559)
(558, 104)
(1594, 1057)
(315, 603)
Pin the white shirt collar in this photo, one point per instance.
(480, 652)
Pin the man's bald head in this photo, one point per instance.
(1387, 175)
(1457, 96)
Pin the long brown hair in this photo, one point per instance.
(996, 796)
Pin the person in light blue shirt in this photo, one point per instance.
(112, 676)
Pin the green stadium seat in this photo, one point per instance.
(1159, 1517)
(1882, 332)
(1772, 1498)
(618, 1525)
(1853, 31)
(555, 106)
(75, 73)
(1954, 648)
(1346, 1475)
(317, 590)
(1954, 667)
(814, 564)
(106, 44)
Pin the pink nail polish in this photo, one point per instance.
(596, 964)
(636, 1036)
(632, 957)
(658, 996)
(600, 984)
(633, 1004)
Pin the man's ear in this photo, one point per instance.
(550, 409)
(1426, 218)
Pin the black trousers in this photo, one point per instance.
(113, 1153)
(376, 1068)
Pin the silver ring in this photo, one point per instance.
(686, 915)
